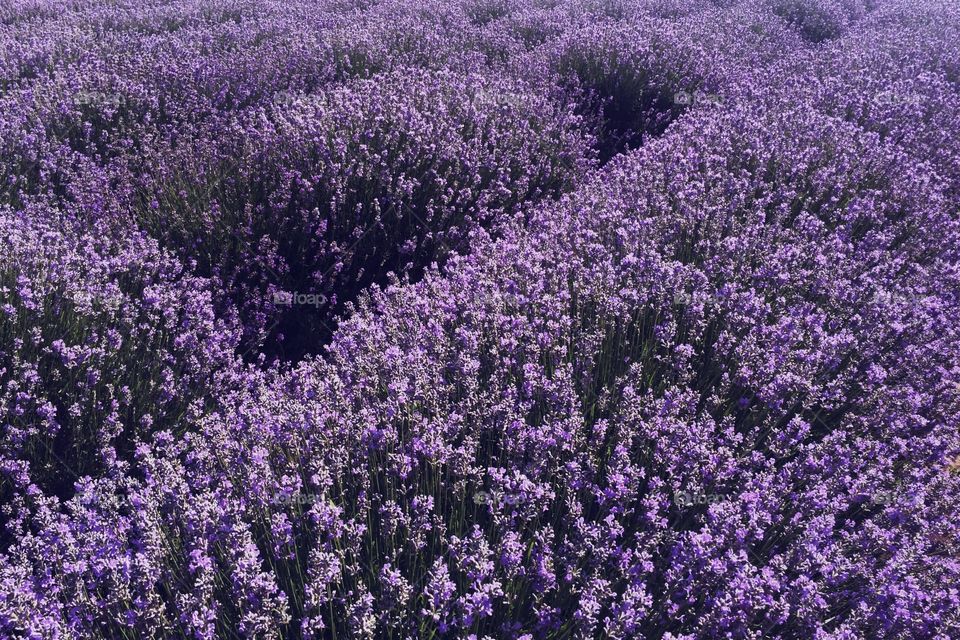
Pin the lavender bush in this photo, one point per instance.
(104, 340)
(524, 319)
(323, 194)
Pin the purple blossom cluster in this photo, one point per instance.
(104, 339)
(325, 193)
(520, 319)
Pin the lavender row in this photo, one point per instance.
(481, 319)
(509, 448)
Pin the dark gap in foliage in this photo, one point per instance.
(631, 88)
(293, 239)
(811, 19)
(483, 12)
(626, 112)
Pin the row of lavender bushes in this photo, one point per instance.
(484, 319)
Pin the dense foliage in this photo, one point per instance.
(480, 319)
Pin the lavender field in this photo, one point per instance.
(479, 319)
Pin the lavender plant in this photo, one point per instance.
(103, 340)
(323, 195)
(535, 320)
